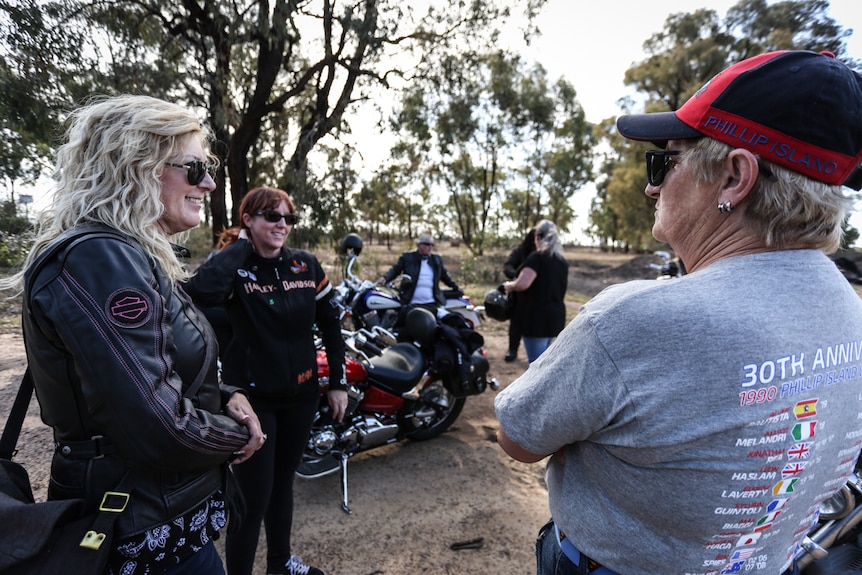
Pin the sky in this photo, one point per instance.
(592, 44)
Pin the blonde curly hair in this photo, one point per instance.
(108, 171)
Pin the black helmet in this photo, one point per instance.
(351, 243)
(497, 305)
(420, 326)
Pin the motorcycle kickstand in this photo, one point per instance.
(344, 506)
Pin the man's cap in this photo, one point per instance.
(425, 239)
(798, 109)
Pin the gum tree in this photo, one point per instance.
(272, 77)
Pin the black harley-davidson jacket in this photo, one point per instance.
(113, 347)
(273, 305)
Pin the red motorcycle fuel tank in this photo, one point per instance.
(354, 371)
(375, 399)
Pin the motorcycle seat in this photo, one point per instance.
(399, 368)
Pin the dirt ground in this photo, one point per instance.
(412, 503)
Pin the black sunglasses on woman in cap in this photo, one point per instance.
(658, 163)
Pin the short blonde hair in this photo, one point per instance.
(789, 210)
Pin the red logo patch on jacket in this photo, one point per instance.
(298, 267)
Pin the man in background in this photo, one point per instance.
(426, 271)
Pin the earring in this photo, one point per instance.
(725, 207)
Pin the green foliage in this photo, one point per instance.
(16, 236)
(14, 248)
(505, 146)
(480, 270)
(30, 97)
(278, 84)
(10, 221)
(199, 241)
(850, 236)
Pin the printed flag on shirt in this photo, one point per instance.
(784, 486)
(793, 469)
(777, 504)
(733, 568)
(749, 539)
(798, 451)
(769, 517)
(741, 554)
(763, 527)
(807, 408)
(804, 430)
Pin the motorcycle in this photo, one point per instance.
(411, 390)
(834, 544)
(365, 305)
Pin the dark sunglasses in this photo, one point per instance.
(426, 244)
(657, 165)
(197, 170)
(273, 217)
(658, 162)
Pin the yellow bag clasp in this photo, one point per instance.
(92, 540)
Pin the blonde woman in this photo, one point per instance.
(124, 368)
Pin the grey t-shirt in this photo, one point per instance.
(697, 422)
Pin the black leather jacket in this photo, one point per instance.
(113, 348)
(410, 263)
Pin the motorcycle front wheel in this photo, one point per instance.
(433, 413)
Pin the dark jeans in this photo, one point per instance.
(550, 559)
(536, 346)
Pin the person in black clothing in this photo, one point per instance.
(426, 271)
(541, 286)
(274, 296)
(511, 268)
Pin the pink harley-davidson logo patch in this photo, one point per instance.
(129, 308)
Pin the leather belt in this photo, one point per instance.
(94, 448)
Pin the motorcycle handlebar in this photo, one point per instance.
(369, 347)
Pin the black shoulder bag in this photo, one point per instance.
(53, 536)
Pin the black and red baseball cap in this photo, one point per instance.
(798, 109)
